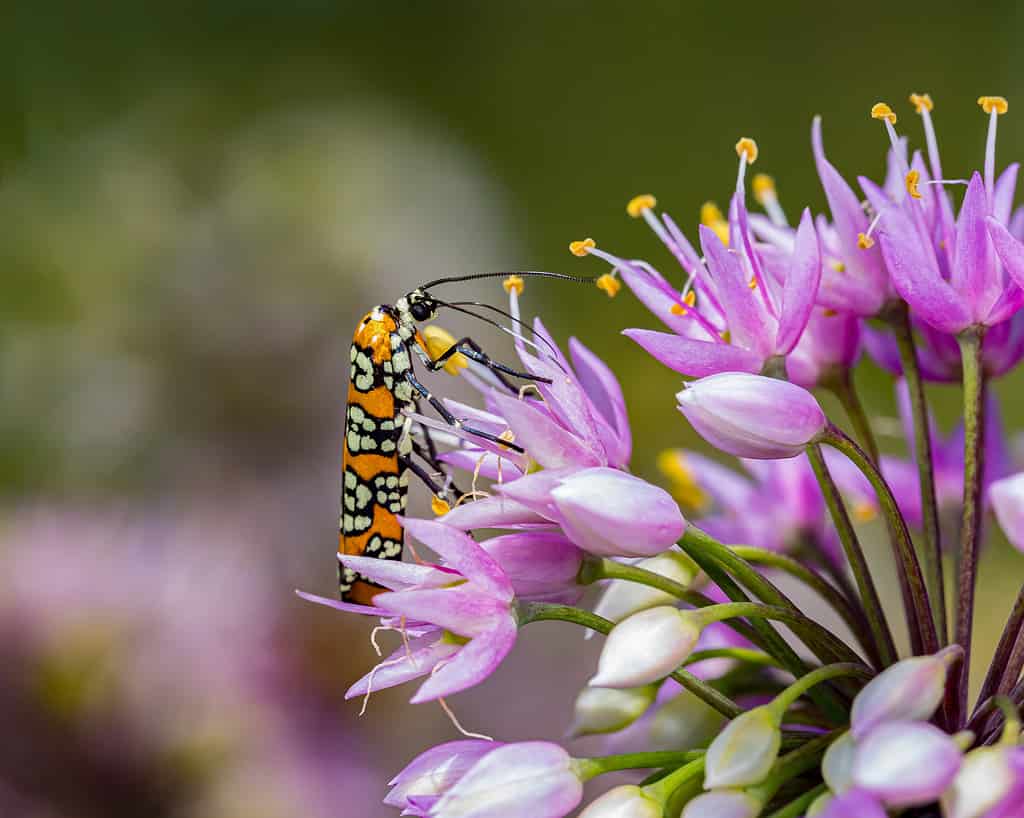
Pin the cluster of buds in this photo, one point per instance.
(725, 696)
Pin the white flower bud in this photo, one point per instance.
(628, 801)
(683, 722)
(743, 753)
(622, 598)
(646, 647)
(837, 765)
(606, 710)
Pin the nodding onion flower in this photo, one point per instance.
(747, 664)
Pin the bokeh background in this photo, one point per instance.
(199, 200)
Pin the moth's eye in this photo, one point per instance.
(421, 310)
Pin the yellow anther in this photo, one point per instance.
(710, 213)
(609, 284)
(864, 512)
(438, 506)
(838, 266)
(763, 186)
(508, 436)
(752, 284)
(912, 180)
(865, 241)
(580, 247)
(689, 300)
(672, 463)
(747, 147)
(638, 204)
(438, 342)
(514, 282)
(882, 111)
(726, 336)
(990, 104)
(828, 312)
(922, 102)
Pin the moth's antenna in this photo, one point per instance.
(511, 317)
(539, 273)
(487, 320)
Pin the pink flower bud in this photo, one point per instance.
(610, 513)
(909, 690)
(628, 801)
(532, 778)
(433, 772)
(990, 779)
(743, 753)
(907, 763)
(646, 647)
(752, 415)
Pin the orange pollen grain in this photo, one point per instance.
(997, 104)
(581, 246)
(922, 102)
(638, 204)
(514, 282)
(609, 284)
(912, 180)
(747, 147)
(865, 241)
(882, 111)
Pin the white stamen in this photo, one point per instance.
(990, 154)
(369, 681)
(459, 727)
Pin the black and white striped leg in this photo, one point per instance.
(471, 349)
(450, 419)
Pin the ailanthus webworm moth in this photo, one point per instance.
(379, 449)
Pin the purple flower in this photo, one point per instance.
(906, 763)
(1007, 496)
(752, 415)
(533, 778)
(949, 272)
(741, 305)
(457, 616)
(541, 565)
(854, 278)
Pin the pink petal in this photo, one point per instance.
(1002, 196)
(1010, 251)
(545, 441)
(492, 512)
(746, 317)
(461, 610)
(605, 392)
(975, 275)
(463, 553)
(801, 286)
(695, 358)
(472, 664)
(347, 607)
(404, 665)
(394, 574)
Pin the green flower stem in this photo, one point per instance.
(721, 564)
(974, 428)
(899, 320)
(663, 788)
(792, 764)
(546, 611)
(840, 383)
(807, 629)
(788, 697)
(588, 768)
(917, 608)
(744, 655)
(798, 806)
(855, 619)
(595, 569)
(884, 649)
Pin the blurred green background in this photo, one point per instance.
(199, 201)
